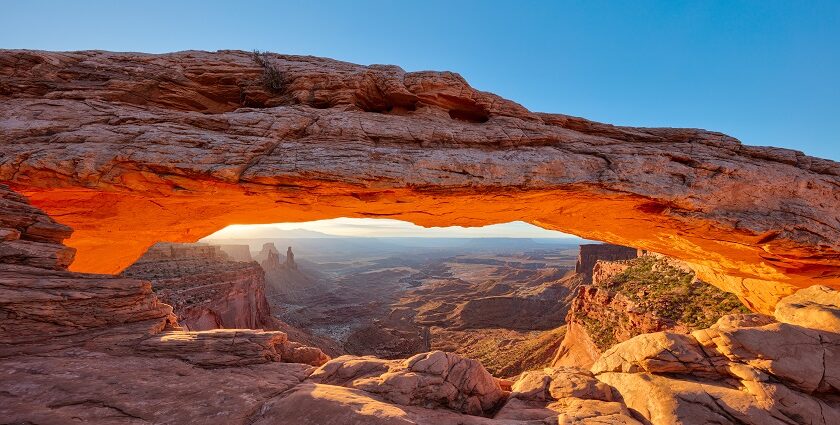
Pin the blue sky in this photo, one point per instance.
(763, 71)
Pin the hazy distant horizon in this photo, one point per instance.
(382, 228)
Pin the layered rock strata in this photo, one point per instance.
(237, 252)
(590, 254)
(206, 288)
(130, 149)
(627, 298)
(103, 349)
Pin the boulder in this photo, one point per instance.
(434, 379)
(745, 369)
(816, 307)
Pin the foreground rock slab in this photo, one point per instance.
(746, 369)
(434, 379)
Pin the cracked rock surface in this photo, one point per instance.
(746, 369)
(129, 149)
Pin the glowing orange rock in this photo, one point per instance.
(130, 149)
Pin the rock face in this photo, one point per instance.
(103, 349)
(130, 149)
(590, 254)
(237, 252)
(205, 287)
(30, 237)
(269, 253)
(286, 284)
(290, 260)
(746, 369)
(647, 294)
(434, 379)
(567, 395)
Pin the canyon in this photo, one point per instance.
(488, 301)
(104, 349)
(106, 154)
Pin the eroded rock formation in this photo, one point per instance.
(746, 369)
(205, 287)
(290, 259)
(648, 294)
(237, 252)
(590, 254)
(130, 149)
(103, 349)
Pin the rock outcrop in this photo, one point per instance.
(130, 149)
(564, 395)
(434, 379)
(237, 252)
(30, 237)
(290, 260)
(205, 287)
(268, 256)
(590, 254)
(648, 294)
(103, 349)
(286, 284)
(746, 369)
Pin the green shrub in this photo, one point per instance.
(272, 78)
(672, 293)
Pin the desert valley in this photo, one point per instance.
(705, 290)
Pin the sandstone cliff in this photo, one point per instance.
(268, 256)
(130, 149)
(590, 254)
(237, 252)
(286, 284)
(745, 369)
(206, 288)
(104, 349)
(628, 298)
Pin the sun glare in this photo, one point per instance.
(375, 227)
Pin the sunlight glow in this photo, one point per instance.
(377, 227)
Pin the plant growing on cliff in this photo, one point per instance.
(672, 293)
(272, 78)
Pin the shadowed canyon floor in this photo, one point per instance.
(130, 149)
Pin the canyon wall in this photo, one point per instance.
(590, 254)
(130, 149)
(78, 347)
(237, 252)
(648, 294)
(206, 288)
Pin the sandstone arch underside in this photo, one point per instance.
(129, 149)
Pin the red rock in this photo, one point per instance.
(590, 254)
(205, 287)
(130, 149)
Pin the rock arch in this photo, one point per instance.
(129, 149)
